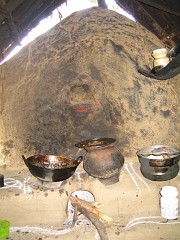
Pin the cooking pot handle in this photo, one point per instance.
(79, 160)
(25, 161)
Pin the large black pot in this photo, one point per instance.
(51, 168)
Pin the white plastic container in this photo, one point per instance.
(160, 58)
(169, 202)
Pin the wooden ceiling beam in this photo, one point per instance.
(160, 7)
(152, 20)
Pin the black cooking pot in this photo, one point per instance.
(51, 168)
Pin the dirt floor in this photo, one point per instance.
(37, 211)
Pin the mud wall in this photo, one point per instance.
(79, 81)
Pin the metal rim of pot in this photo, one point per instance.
(52, 161)
(95, 142)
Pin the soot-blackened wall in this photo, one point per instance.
(79, 81)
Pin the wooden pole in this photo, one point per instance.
(95, 216)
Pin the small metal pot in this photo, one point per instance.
(159, 163)
(51, 168)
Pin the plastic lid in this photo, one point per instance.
(159, 51)
(169, 191)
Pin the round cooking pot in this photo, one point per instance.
(51, 168)
(159, 163)
(102, 160)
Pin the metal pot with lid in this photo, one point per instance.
(159, 163)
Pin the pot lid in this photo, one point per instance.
(158, 150)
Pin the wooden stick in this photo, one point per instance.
(91, 208)
(95, 216)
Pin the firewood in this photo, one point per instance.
(95, 216)
(91, 208)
